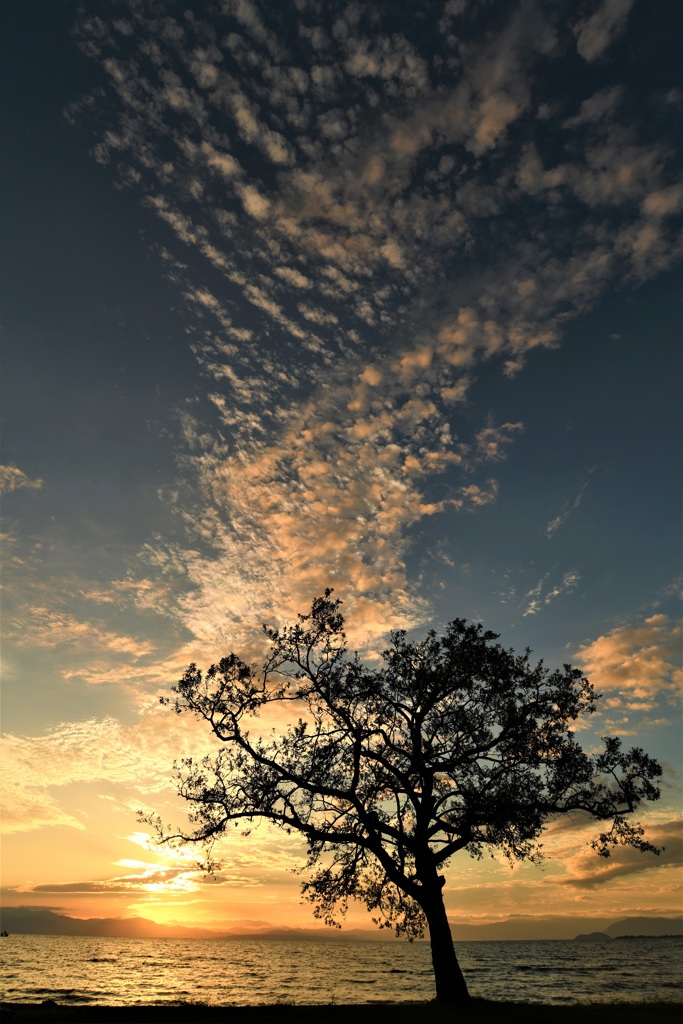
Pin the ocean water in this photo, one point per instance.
(119, 971)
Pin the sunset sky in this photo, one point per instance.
(383, 297)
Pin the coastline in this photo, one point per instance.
(479, 1011)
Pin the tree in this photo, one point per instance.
(453, 744)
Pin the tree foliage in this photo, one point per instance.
(453, 744)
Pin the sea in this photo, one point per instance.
(123, 971)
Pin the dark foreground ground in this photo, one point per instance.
(479, 1011)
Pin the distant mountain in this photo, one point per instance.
(31, 921)
(530, 928)
(646, 926)
(534, 928)
(594, 937)
(41, 921)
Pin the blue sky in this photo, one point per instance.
(310, 294)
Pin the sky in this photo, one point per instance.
(379, 297)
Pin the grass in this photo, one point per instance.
(479, 1011)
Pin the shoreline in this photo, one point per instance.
(478, 1011)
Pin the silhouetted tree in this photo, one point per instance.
(453, 744)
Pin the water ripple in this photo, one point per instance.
(235, 972)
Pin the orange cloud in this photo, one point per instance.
(585, 870)
(639, 661)
(12, 479)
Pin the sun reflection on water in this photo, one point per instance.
(125, 971)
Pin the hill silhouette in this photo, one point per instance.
(638, 926)
(42, 921)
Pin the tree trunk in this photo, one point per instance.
(450, 983)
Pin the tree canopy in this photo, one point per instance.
(452, 744)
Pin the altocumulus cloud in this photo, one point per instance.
(94, 750)
(360, 214)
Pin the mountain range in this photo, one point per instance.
(43, 921)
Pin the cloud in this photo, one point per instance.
(376, 226)
(555, 524)
(586, 871)
(330, 503)
(268, 858)
(664, 202)
(640, 661)
(102, 751)
(597, 107)
(544, 593)
(597, 32)
(153, 880)
(269, 855)
(12, 479)
(26, 808)
(42, 627)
